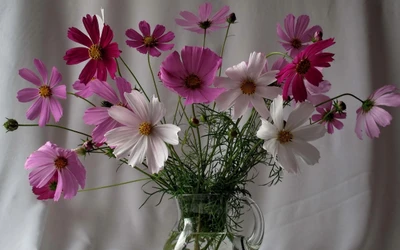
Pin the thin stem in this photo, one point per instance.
(119, 71)
(154, 80)
(204, 38)
(278, 54)
(56, 126)
(338, 97)
(86, 100)
(223, 47)
(198, 135)
(114, 185)
(133, 75)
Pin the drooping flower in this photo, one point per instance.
(192, 77)
(50, 160)
(370, 114)
(99, 49)
(246, 85)
(142, 136)
(329, 116)
(203, 22)
(47, 191)
(84, 89)
(297, 37)
(149, 42)
(286, 141)
(99, 115)
(45, 93)
(303, 67)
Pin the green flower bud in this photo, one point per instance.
(10, 125)
(80, 151)
(231, 18)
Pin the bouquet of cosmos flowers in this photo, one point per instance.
(225, 123)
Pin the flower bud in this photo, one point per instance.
(194, 122)
(339, 106)
(233, 133)
(88, 145)
(317, 36)
(203, 118)
(80, 151)
(231, 18)
(10, 125)
(106, 104)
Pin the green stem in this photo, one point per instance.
(204, 38)
(338, 97)
(278, 54)
(133, 75)
(114, 185)
(198, 136)
(119, 71)
(223, 47)
(86, 100)
(154, 80)
(56, 126)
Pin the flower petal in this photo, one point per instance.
(76, 55)
(256, 65)
(371, 128)
(168, 133)
(34, 109)
(276, 111)
(123, 139)
(134, 35)
(138, 151)
(309, 132)
(105, 91)
(56, 109)
(41, 68)
(307, 152)
(59, 91)
(55, 77)
(78, 36)
(225, 100)
(28, 75)
(138, 104)
(267, 131)
(95, 115)
(59, 188)
(240, 106)
(27, 94)
(260, 106)
(157, 154)
(45, 112)
(144, 28)
(88, 71)
(287, 159)
(360, 123)
(381, 116)
(70, 184)
(299, 116)
(205, 11)
(124, 116)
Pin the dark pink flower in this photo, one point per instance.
(50, 160)
(370, 114)
(297, 36)
(149, 42)
(204, 22)
(304, 66)
(329, 116)
(47, 191)
(99, 115)
(192, 77)
(45, 94)
(98, 48)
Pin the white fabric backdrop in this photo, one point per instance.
(348, 201)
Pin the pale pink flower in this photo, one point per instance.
(329, 117)
(204, 22)
(370, 114)
(49, 160)
(246, 85)
(83, 89)
(99, 115)
(297, 36)
(45, 93)
(142, 137)
(192, 77)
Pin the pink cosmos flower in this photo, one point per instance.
(370, 114)
(330, 117)
(47, 191)
(278, 65)
(304, 66)
(192, 77)
(99, 115)
(297, 37)
(49, 160)
(149, 42)
(203, 22)
(83, 89)
(45, 94)
(98, 48)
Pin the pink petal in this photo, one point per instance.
(289, 25)
(186, 23)
(154, 52)
(298, 88)
(111, 65)
(88, 71)
(308, 35)
(41, 68)
(164, 47)
(96, 115)
(77, 36)
(105, 91)
(360, 123)
(59, 91)
(111, 51)
(391, 100)
(45, 112)
(167, 37)
(301, 25)
(123, 86)
(70, 185)
(41, 175)
(281, 34)
(34, 110)
(144, 28)
(101, 70)
(55, 77)
(101, 129)
(56, 109)
(381, 116)
(59, 188)
(92, 28)
(143, 49)
(329, 128)
(134, 35)
(27, 94)
(191, 18)
(371, 128)
(158, 31)
(106, 36)
(205, 11)
(76, 55)
(134, 44)
(338, 124)
(30, 76)
(381, 91)
(316, 117)
(314, 76)
(77, 169)
(279, 64)
(221, 15)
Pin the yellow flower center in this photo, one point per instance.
(44, 91)
(296, 43)
(192, 82)
(284, 136)
(248, 87)
(95, 52)
(60, 163)
(149, 41)
(303, 66)
(145, 128)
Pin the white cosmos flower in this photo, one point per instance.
(247, 85)
(142, 136)
(286, 141)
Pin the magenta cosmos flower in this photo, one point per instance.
(149, 42)
(330, 117)
(99, 49)
(192, 77)
(47, 191)
(304, 66)
(297, 37)
(49, 160)
(45, 93)
(370, 114)
(99, 115)
(203, 22)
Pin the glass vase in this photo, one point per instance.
(203, 225)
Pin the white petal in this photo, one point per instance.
(167, 132)
(276, 110)
(138, 104)
(309, 132)
(123, 139)
(267, 131)
(138, 152)
(237, 72)
(267, 78)
(260, 106)
(225, 100)
(268, 92)
(157, 154)
(226, 83)
(240, 106)
(256, 64)
(305, 150)
(287, 159)
(271, 146)
(157, 111)
(299, 115)
(124, 116)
